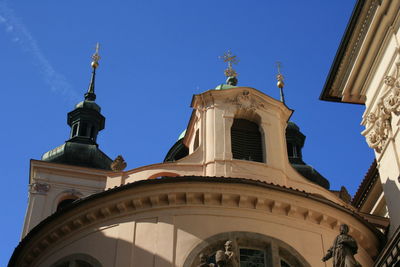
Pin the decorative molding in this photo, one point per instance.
(378, 126)
(72, 192)
(138, 203)
(118, 164)
(39, 188)
(245, 100)
(353, 47)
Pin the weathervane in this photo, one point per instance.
(280, 82)
(96, 57)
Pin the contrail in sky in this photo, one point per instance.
(20, 35)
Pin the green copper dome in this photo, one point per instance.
(295, 142)
(231, 82)
(86, 121)
(224, 87)
(89, 105)
(182, 135)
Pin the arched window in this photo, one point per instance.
(246, 141)
(251, 249)
(77, 260)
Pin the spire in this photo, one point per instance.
(90, 95)
(230, 73)
(280, 82)
(86, 122)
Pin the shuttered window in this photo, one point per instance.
(246, 141)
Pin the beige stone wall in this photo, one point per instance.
(381, 117)
(160, 224)
(50, 183)
(214, 112)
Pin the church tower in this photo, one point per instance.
(62, 176)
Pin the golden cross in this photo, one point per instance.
(96, 56)
(231, 59)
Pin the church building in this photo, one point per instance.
(232, 191)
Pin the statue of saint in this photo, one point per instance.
(230, 256)
(343, 250)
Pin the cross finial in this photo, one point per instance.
(230, 59)
(279, 65)
(96, 57)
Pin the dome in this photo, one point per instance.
(295, 142)
(88, 104)
(224, 87)
(292, 126)
(182, 135)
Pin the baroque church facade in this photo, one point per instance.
(234, 189)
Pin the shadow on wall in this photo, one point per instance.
(390, 189)
(97, 248)
(152, 242)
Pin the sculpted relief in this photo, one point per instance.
(378, 124)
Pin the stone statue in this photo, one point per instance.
(223, 258)
(230, 256)
(220, 258)
(203, 261)
(343, 250)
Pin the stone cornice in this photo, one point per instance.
(348, 50)
(171, 193)
(68, 170)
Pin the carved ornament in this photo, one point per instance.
(378, 124)
(118, 164)
(245, 100)
(39, 188)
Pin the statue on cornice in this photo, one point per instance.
(343, 250)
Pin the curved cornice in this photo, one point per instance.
(120, 201)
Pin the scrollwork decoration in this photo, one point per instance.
(39, 188)
(246, 101)
(379, 121)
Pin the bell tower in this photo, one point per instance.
(73, 170)
(86, 122)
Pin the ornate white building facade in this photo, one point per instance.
(366, 71)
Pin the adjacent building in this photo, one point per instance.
(366, 71)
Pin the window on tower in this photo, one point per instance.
(83, 129)
(74, 130)
(246, 140)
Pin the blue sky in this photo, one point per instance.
(155, 56)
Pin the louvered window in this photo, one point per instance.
(246, 140)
